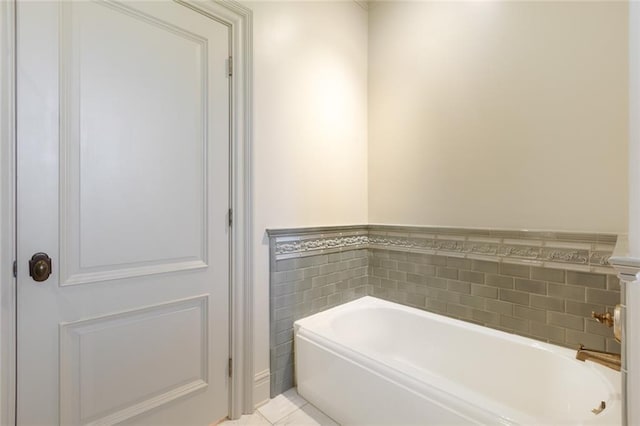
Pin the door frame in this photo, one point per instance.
(240, 21)
(7, 214)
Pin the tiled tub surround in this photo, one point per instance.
(542, 285)
(552, 305)
(304, 286)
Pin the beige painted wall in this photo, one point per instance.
(498, 114)
(509, 115)
(310, 129)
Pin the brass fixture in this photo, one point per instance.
(605, 318)
(600, 408)
(607, 359)
(611, 320)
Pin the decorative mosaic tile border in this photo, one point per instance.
(560, 250)
(321, 243)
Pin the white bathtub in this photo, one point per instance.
(375, 362)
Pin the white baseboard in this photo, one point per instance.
(261, 388)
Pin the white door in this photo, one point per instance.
(123, 180)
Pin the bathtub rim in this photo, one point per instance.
(454, 392)
(445, 398)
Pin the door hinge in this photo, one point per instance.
(15, 269)
(230, 367)
(230, 66)
(230, 217)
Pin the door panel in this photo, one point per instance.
(123, 179)
(173, 334)
(156, 174)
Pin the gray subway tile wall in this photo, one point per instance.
(548, 304)
(526, 300)
(301, 287)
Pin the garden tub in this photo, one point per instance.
(373, 362)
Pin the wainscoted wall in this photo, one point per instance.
(302, 286)
(542, 285)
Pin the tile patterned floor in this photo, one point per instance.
(287, 409)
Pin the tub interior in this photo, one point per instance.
(540, 380)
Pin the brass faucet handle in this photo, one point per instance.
(605, 318)
(600, 408)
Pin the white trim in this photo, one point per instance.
(7, 213)
(261, 388)
(240, 20)
(242, 269)
(627, 267)
(630, 263)
(627, 253)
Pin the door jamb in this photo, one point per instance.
(7, 213)
(239, 19)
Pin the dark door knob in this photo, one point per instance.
(40, 267)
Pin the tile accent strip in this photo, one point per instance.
(558, 250)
